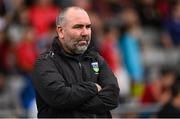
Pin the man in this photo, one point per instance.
(71, 79)
(172, 108)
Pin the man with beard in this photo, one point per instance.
(71, 79)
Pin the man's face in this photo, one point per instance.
(76, 31)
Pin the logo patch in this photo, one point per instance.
(95, 67)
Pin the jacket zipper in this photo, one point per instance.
(82, 72)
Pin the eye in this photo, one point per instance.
(88, 26)
(78, 26)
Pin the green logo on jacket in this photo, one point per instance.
(95, 67)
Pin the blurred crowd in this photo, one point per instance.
(139, 39)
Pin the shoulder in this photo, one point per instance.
(97, 57)
(45, 55)
(100, 58)
(45, 58)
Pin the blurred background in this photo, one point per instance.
(139, 39)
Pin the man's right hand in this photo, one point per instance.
(98, 87)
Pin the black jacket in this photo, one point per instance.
(65, 84)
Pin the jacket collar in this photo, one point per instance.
(57, 48)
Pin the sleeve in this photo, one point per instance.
(50, 85)
(107, 99)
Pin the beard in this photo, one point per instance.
(78, 46)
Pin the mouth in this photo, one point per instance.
(83, 42)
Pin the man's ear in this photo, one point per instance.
(60, 31)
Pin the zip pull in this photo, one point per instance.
(79, 64)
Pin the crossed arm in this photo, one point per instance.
(87, 96)
(108, 95)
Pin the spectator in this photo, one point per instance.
(171, 34)
(6, 53)
(158, 90)
(110, 52)
(18, 25)
(109, 49)
(172, 108)
(26, 52)
(129, 45)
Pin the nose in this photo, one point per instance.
(85, 32)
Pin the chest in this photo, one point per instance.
(74, 71)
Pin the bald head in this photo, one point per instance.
(67, 12)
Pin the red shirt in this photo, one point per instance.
(26, 54)
(110, 53)
(43, 18)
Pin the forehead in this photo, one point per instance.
(77, 16)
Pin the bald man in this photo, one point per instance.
(71, 79)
